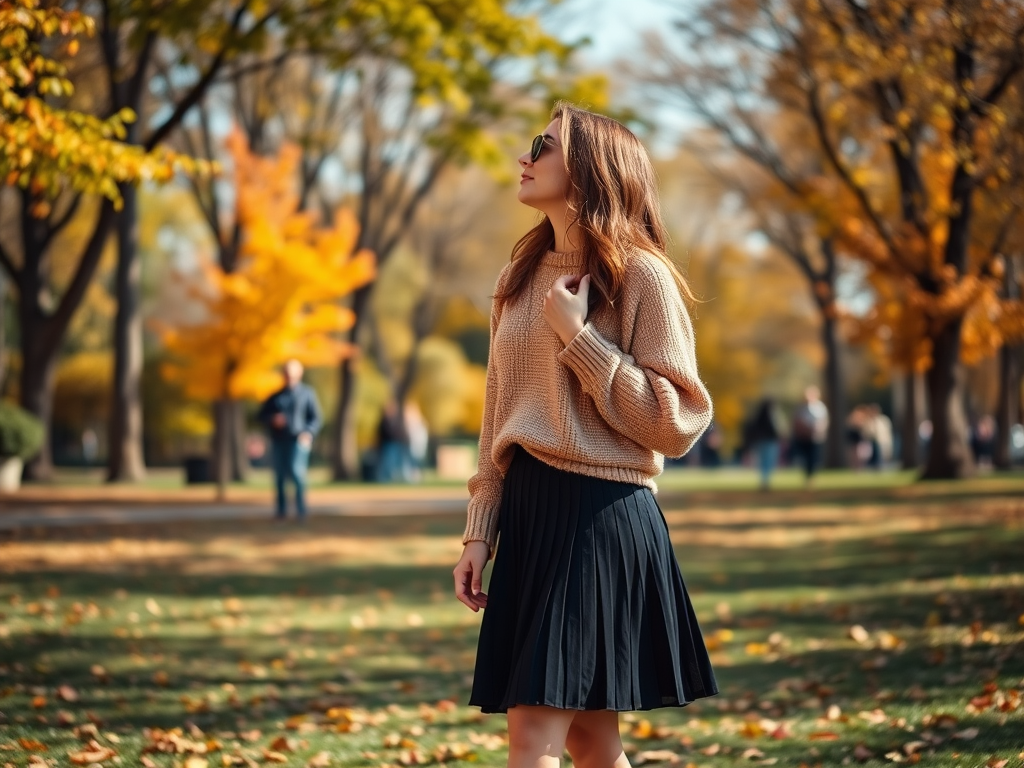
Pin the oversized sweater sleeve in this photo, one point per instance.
(485, 486)
(653, 395)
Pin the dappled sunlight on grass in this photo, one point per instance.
(873, 632)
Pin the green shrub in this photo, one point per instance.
(21, 433)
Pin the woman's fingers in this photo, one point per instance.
(468, 585)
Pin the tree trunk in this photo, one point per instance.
(239, 454)
(949, 452)
(38, 366)
(126, 461)
(1007, 411)
(910, 457)
(3, 330)
(835, 396)
(235, 463)
(345, 451)
(221, 461)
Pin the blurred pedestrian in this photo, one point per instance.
(764, 434)
(810, 429)
(856, 438)
(592, 378)
(417, 441)
(292, 416)
(391, 444)
(983, 441)
(880, 431)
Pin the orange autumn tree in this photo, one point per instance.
(281, 301)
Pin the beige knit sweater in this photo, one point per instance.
(622, 395)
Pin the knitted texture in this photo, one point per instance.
(622, 395)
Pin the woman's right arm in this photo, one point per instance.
(485, 486)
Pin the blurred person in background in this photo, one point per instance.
(292, 417)
(763, 436)
(392, 444)
(810, 429)
(591, 379)
(880, 430)
(418, 441)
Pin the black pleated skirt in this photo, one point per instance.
(586, 605)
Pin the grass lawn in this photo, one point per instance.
(844, 630)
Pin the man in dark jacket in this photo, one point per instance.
(292, 416)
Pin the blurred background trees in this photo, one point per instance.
(843, 181)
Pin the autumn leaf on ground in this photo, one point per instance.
(67, 693)
(96, 753)
(967, 734)
(823, 736)
(456, 751)
(859, 634)
(271, 756)
(875, 716)
(655, 756)
(32, 745)
(319, 760)
(862, 753)
(282, 744)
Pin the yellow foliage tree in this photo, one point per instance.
(283, 298)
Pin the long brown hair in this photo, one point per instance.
(613, 201)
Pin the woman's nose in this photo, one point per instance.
(524, 160)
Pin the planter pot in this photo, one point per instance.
(10, 474)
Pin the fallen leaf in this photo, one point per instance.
(913, 747)
(654, 756)
(859, 634)
(833, 712)
(67, 693)
(967, 734)
(875, 716)
(642, 730)
(319, 760)
(153, 606)
(712, 750)
(196, 762)
(94, 755)
(282, 744)
(32, 745)
(862, 753)
(752, 730)
(752, 753)
(823, 736)
(995, 762)
(274, 757)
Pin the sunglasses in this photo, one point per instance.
(537, 147)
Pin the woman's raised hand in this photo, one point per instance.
(566, 307)
(469, 575)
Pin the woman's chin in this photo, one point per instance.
(526, 198)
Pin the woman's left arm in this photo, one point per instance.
(653, 395)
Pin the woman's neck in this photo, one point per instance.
(567, 234)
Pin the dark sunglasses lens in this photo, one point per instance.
(537, 148)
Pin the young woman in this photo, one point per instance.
(591, 380)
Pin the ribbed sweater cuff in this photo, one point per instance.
(482, 524)
(590, 356)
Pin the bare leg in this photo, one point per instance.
(593, 740)
(536, 736)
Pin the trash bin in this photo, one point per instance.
(197, 470)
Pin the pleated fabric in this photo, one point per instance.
(586, 604)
